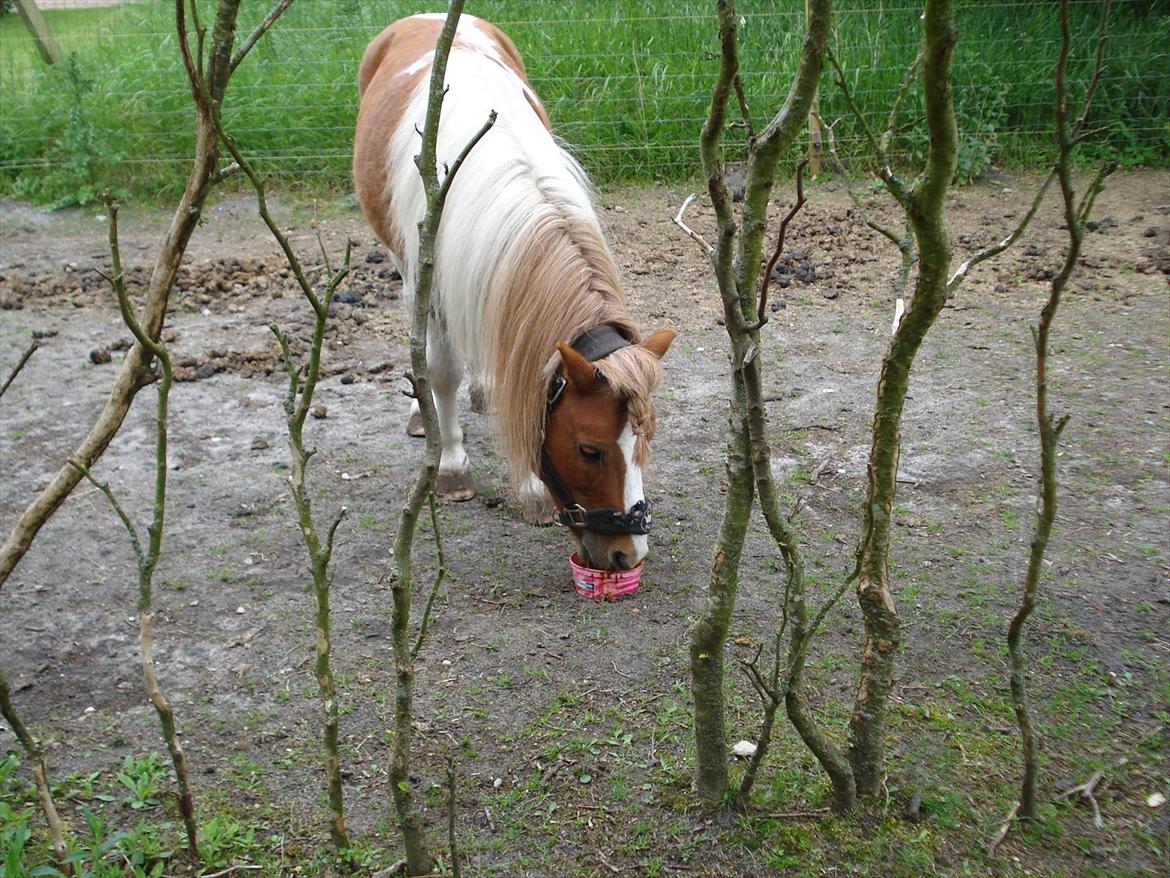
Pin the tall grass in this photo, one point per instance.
(626, 84)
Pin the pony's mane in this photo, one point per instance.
(557, 280)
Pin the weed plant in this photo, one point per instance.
(626, 85)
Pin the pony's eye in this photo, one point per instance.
(589, 452)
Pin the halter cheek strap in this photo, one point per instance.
(593, 345)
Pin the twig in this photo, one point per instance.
(885, 172)
(896, 110)
(230, 869)
(258, 32)
(40, 774)
(792, 815)
(766, 277)
(1085, 793)
(28, 352)
(440, 574)
(1004, 828)
(449, 177)
(452, 847)
(904, 242)
(744, 110)
(694, 236)
(997, 248)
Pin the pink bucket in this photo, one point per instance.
(598, 584)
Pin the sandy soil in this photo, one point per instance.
(536, 688)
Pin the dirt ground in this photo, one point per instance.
(571, 719)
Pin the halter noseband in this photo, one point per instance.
(593, 344)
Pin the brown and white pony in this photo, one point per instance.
(522, 275)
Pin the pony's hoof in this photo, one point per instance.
(455, 486)
(415, 426)
(478, 399)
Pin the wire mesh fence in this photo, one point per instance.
(625, 83)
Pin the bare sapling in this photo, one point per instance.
(147, 555)
(1049, 426)
(40, 774)
(926, 248)
(302, 383)
(418, 858)
(735, 259)
(208, 66)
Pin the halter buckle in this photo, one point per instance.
(555, 389)
(572, 516)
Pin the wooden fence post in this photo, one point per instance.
(815, 149)
(42, 36)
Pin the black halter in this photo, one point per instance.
(592, 345)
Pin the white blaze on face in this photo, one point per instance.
(633, 489)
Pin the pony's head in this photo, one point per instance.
(596, 443)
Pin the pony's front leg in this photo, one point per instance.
(446, 371)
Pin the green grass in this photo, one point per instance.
(625, 85)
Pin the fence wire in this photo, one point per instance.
(625, 83)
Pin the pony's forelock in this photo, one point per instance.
(633, 373)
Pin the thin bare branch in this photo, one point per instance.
(1095, 188)
(262, 205)
(259, 31)
(1098, 70)
(691, 233)
(108, 493)
(995, 249)
(449, 177)
(194, 73)
(766, 276)
(1049, 428)
(744, 110)
(40, 774)
(24, 358)
(896, 110)
(885, 171)
(1001, 833)
(440, 575)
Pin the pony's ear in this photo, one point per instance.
(658, 342)
(578, 371)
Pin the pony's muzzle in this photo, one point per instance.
(606, 551)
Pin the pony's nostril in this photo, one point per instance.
(621, 560)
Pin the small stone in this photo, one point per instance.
(1155, 800)
(259, 443)
(348, 297)
(100, 356)
(1151, 232)
(204, 371)
(744, 749)
(319, 411)
(347, 378)
(1000, 288)
(374, 257)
